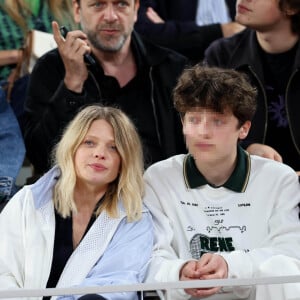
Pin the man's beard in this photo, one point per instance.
(111, 44)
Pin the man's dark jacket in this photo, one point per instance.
(50, 105)
(242, 52)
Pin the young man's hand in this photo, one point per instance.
(229, 29)
(209, 266)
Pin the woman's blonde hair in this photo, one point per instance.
(128, 186)
(17, 9)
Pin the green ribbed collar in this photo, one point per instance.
(236, 182)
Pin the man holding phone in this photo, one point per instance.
(129, 73)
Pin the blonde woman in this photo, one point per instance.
(83, 222)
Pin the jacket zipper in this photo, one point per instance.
(153, 106)
(265, 101)
(286, 105)
(96, 84)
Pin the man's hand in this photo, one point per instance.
(209, 266)
(71, 49)
(229, 29)
(153, 16)
(264, 151)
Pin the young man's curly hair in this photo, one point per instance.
(216, 89)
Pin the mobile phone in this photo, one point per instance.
(87, 57)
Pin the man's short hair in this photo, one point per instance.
(216, 89)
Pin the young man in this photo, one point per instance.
(136, 76)
(269, 52)
(218, 211)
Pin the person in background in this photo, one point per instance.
(187, 28)
(12, 150)
(268, 51)
(83, 223)
(125, 71)
(19, 16)
(218, 211)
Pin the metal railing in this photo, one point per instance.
(166, 287)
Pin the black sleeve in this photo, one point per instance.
(49, 106)
(217, 54)
(186, 37)
(91, 297)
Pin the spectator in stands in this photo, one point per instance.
(19, 16)
(137, 77)
(269, 52)
(82, 223)
(16, 19)
(188, 28)
(218, 211)
(12, 150)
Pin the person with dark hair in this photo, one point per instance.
(268, 51)
(126, 71)
(188, 28)
(83, 223)
(218, 211)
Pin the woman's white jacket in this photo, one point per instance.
(112, 252)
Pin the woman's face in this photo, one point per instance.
(97, 161)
